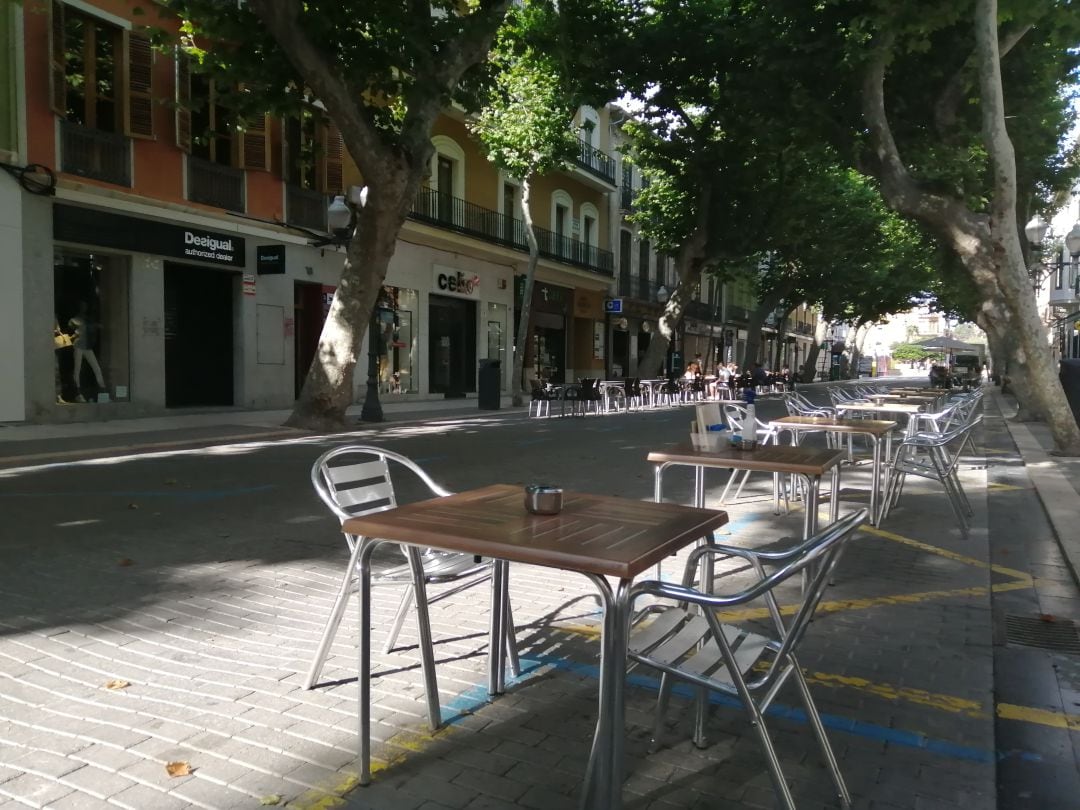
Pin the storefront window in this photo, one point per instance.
(496, 335)
(90, 331)
(396, 315)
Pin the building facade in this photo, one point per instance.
(179, 262)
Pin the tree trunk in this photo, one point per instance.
(753, 328)
(689, 264)
(524, 327)
(988, 247)
(780, 341)
(809, 368)
(858, 343)
(328, 387)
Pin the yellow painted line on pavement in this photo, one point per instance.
(1005, 487)
(947, 703)
(944, 552)
(1042, 717)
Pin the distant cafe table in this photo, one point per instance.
(810, 463)
(874, 429)
(893, 408)
(594, 535)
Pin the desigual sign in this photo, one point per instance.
(207, 247)
(448, 281)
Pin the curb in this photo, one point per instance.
(1057, 494)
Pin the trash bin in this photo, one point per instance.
(487, 385)
(1070, 381)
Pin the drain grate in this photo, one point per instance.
(1060, 635)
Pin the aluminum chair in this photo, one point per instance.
(928, 455)
(682, 636)
(735, 416)
(357, 479)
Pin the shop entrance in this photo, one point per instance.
(549, 352)
(198, 336)
(452, 345)
(309, 313)
(620, 353)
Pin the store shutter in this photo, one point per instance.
(255, 145)
(140, 98)
(183, 101)
(333, 152)
(57, 60)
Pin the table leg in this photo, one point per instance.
(699, 486)
(875, 482)
(813, 496)
(497, 631)
(834, 501)
(427, 650)
(364, 599)
(598, 777)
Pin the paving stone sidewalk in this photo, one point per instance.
(209, 624)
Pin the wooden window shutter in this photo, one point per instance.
(183, 101)
(139, 85)
(255, 145)
(57, 60)
(333, 154)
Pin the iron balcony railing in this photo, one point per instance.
(305, 208)
(702, 311)
(803, 329)
(92, 153)
(214, 184)
(465, 217)
(595, 162)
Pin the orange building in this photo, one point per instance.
(176, 266)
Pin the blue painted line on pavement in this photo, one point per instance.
(474, 698)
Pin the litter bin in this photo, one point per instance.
(1070, 381)
(487, 385)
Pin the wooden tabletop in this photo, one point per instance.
(765, 458)
(875, 427)
(594, 534)
(895, 406)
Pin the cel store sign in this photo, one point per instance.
(454, 282)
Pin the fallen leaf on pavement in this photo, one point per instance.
(125, 561)
(117, 683)
(178, 769)
(1049, 618)
(272, 799)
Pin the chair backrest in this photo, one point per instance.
(818, 556)
(356, 479)
(537, 388)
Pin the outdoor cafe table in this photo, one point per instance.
(875, 429)
(595, 535)
(810, 463)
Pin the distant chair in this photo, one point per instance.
(541, 398)
(632, 392)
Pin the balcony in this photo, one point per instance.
(641, 289)
(305, 208)
(456, 214)
(626, 198)
(98, 155)
(736, 313)
(214, 184)
(804, 329)
(595, 162)
(702, 311)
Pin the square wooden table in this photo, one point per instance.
(810, 463)
(594, 535)
(875, 429)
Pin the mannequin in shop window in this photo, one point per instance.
(84, 334)
(62, 351)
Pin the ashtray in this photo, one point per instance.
(541, 499)
(747, 444)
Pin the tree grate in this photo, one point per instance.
(1060, 635)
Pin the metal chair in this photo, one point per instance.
(541, 398)
(928, 455)
(682, 636)
(356, 479)
(735, 416)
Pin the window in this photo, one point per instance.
(90, 330)
(643, 268)
(625, 242)
(100, 74)
(212, 124)
(509, 212)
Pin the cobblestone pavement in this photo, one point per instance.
(195, 585)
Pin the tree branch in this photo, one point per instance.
(947, 107)
(366, 146)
